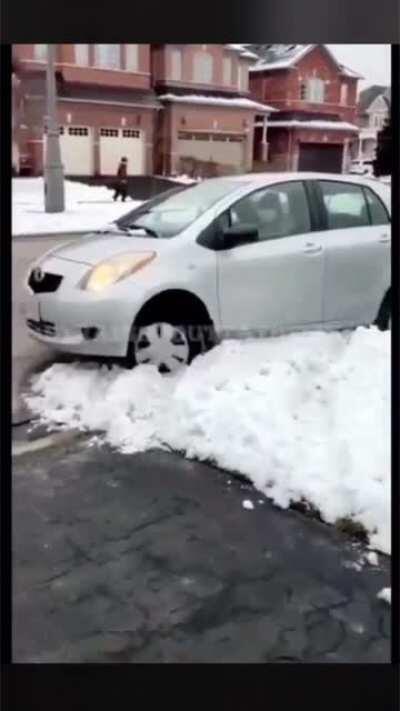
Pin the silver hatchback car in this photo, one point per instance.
(242, 255)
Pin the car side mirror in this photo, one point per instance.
(244, 233)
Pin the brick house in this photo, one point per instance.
(373, 110)
(159, 105)
(106, 107)
(315, 98)
(208, 115)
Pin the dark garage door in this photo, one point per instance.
(320, 157)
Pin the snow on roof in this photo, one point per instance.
(291, 56)
(286, 62)
(242, 51)
(335, 125)
(240, 103)
(350, 72)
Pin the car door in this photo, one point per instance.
(357, 252)
(275, 283)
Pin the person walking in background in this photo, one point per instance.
(122, 180)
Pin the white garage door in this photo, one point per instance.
(76, 145)
(225, 149)
(118, 142)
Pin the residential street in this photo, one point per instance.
(149, 558)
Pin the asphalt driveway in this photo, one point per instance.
(152, 558)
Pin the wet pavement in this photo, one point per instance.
(152, 558)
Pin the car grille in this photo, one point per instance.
(48, 282)
(45, 328)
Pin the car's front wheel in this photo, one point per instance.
(166, 345)
(162, 344)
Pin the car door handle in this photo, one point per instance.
(384, 238)
(312, 248)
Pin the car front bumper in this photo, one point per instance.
(75, 321)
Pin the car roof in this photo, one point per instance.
(269, 178)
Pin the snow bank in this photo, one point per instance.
(86, 208)
(184, 179)
(304, 416)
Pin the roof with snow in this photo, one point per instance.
(368, 96)
(238, 103)
(243, 51)
(311, 124)
(285, 56)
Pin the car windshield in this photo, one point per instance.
(169, 214)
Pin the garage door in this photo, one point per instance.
(115, 143)
(320, 157)
(76, 145)
(223, 149)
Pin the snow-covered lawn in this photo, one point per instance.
(86, 208)
(305, 416)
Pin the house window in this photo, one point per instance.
(343, 94)
(82, 55)
(132, 57)
(176, 64)
(130, 133)
(107, 56)
(110, 132)
(227, 71)
(78, 131)
(313, 90)
(243, 77)
(40, 52)
(203, 68)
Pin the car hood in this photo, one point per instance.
(95, 248)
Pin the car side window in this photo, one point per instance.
(377, 210)
(277, 211)
(345, 205)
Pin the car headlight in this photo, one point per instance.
(114, 269)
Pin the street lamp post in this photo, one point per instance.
(53, 170)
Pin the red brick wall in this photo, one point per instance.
(281, 88)
(162, 66)
(284, 144)
(90, 75)
(211, 118)
(93, 115)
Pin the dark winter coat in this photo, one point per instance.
(122, 173)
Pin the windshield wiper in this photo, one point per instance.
(148, 230)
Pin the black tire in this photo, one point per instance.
(384, 317)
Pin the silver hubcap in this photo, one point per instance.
(162, 345)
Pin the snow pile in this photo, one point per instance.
(86, 208)
(386, 595)
(305, 416)
(184, 179)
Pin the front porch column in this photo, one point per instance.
(360, 151)
(264, 143)
(345, 157)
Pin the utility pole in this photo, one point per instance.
(53, 170)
